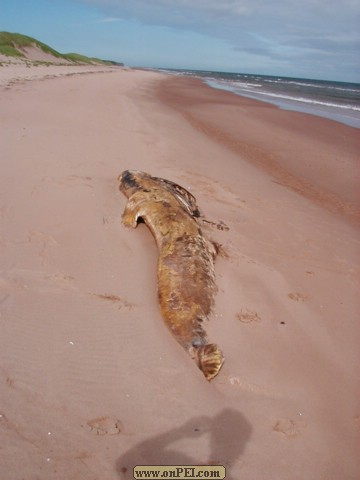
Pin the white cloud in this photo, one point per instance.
(315, 28)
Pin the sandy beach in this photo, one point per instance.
(92, 382)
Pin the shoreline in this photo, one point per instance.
(343, 110)
(291, 105)
(92, 381)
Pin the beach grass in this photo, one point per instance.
(78, 58)
(13, 45)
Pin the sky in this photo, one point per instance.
(296, 38)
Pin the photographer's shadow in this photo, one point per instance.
(228, 433)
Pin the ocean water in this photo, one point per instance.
(338, 101)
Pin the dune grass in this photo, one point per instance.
(11, 45)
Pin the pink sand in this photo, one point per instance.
(92, 382)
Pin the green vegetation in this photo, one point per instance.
(10, 51)
(12, 45)
(77, 58)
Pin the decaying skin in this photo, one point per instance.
(186, 279)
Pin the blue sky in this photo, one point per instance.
(301, 38)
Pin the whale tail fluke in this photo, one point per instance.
(209, 359)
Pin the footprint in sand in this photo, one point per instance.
(104, 426)
(288, 427)
(297, 297)
(248, 316)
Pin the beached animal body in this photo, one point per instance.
(186, 278)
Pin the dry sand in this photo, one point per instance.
(92, 383)
(21, 72)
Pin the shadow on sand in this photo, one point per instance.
(227, 433)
